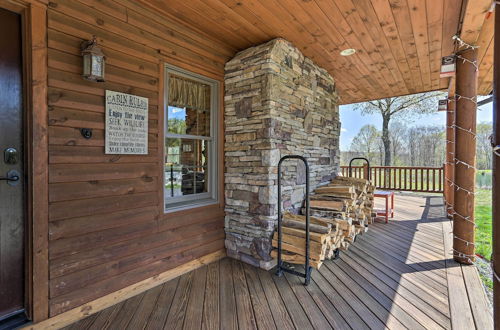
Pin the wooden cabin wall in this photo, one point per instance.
(107, 228)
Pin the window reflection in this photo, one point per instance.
(188, 121)
(186, 168)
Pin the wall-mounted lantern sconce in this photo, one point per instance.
(93, 61)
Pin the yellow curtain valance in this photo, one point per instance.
(183, 92)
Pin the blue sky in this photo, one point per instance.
(352, 121)
(174, 112)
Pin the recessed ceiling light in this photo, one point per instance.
(348, 52)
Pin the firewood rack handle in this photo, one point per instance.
(360, 158)
(281, 268)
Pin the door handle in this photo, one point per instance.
(12, 178)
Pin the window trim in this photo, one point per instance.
(212, 196)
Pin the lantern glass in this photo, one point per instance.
(86, 65)
(97, 67)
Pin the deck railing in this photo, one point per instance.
(420, 179)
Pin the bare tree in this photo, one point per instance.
(398, 132)
(366, 141)
(389, 108)
(484, 155)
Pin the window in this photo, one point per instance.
(190, 140)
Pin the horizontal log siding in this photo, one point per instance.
(107, 229)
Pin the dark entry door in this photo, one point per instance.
(11, 166)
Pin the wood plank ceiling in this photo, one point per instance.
(399, 43)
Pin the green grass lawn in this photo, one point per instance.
(483, 179)
(483, 216)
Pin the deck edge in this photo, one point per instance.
(111, 299)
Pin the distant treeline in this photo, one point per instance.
(420, 145)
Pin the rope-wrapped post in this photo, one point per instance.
(450, 155)
(465, 156)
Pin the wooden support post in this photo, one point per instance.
(366, 175)
(465, 156)
(450, 155)
(496, 173)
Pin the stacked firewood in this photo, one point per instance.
(338, 212)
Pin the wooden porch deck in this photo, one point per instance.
(397, 275)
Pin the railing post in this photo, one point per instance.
(365, 172)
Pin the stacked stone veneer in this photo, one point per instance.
(277, 102)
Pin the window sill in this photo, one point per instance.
(182, 206)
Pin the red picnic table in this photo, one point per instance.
(388, 211)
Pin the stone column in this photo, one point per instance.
(277, 102)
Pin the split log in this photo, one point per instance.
(301, 225)
(320, 238)
(295, 259)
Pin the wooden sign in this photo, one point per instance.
(126, 124)
(443, 105)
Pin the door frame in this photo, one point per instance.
(34, 34)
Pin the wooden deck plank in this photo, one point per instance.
(123, 317)
(228, 315)
(425, 300)
(410, 302)
(143, 311)
(262, 311)
(409, 253)
(400, 267)
(418, 283)
(477, 298)
(355, 321)
(194, 308)
(280, 315)
(295, 309)
(402, 314)
(160, 311)
(329, 310)
(387, 279)
(413, 228)
(404, 244)
(461, 314)
(378, 308)
(211, 309)
(314, 314)
(357, 305)
(246, 318)
(410, 248)
(177, 313)
(416, 235)
(104, 318)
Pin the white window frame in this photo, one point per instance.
(207, 198)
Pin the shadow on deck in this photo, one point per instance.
(397, 275)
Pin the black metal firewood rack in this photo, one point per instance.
(281, 267)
